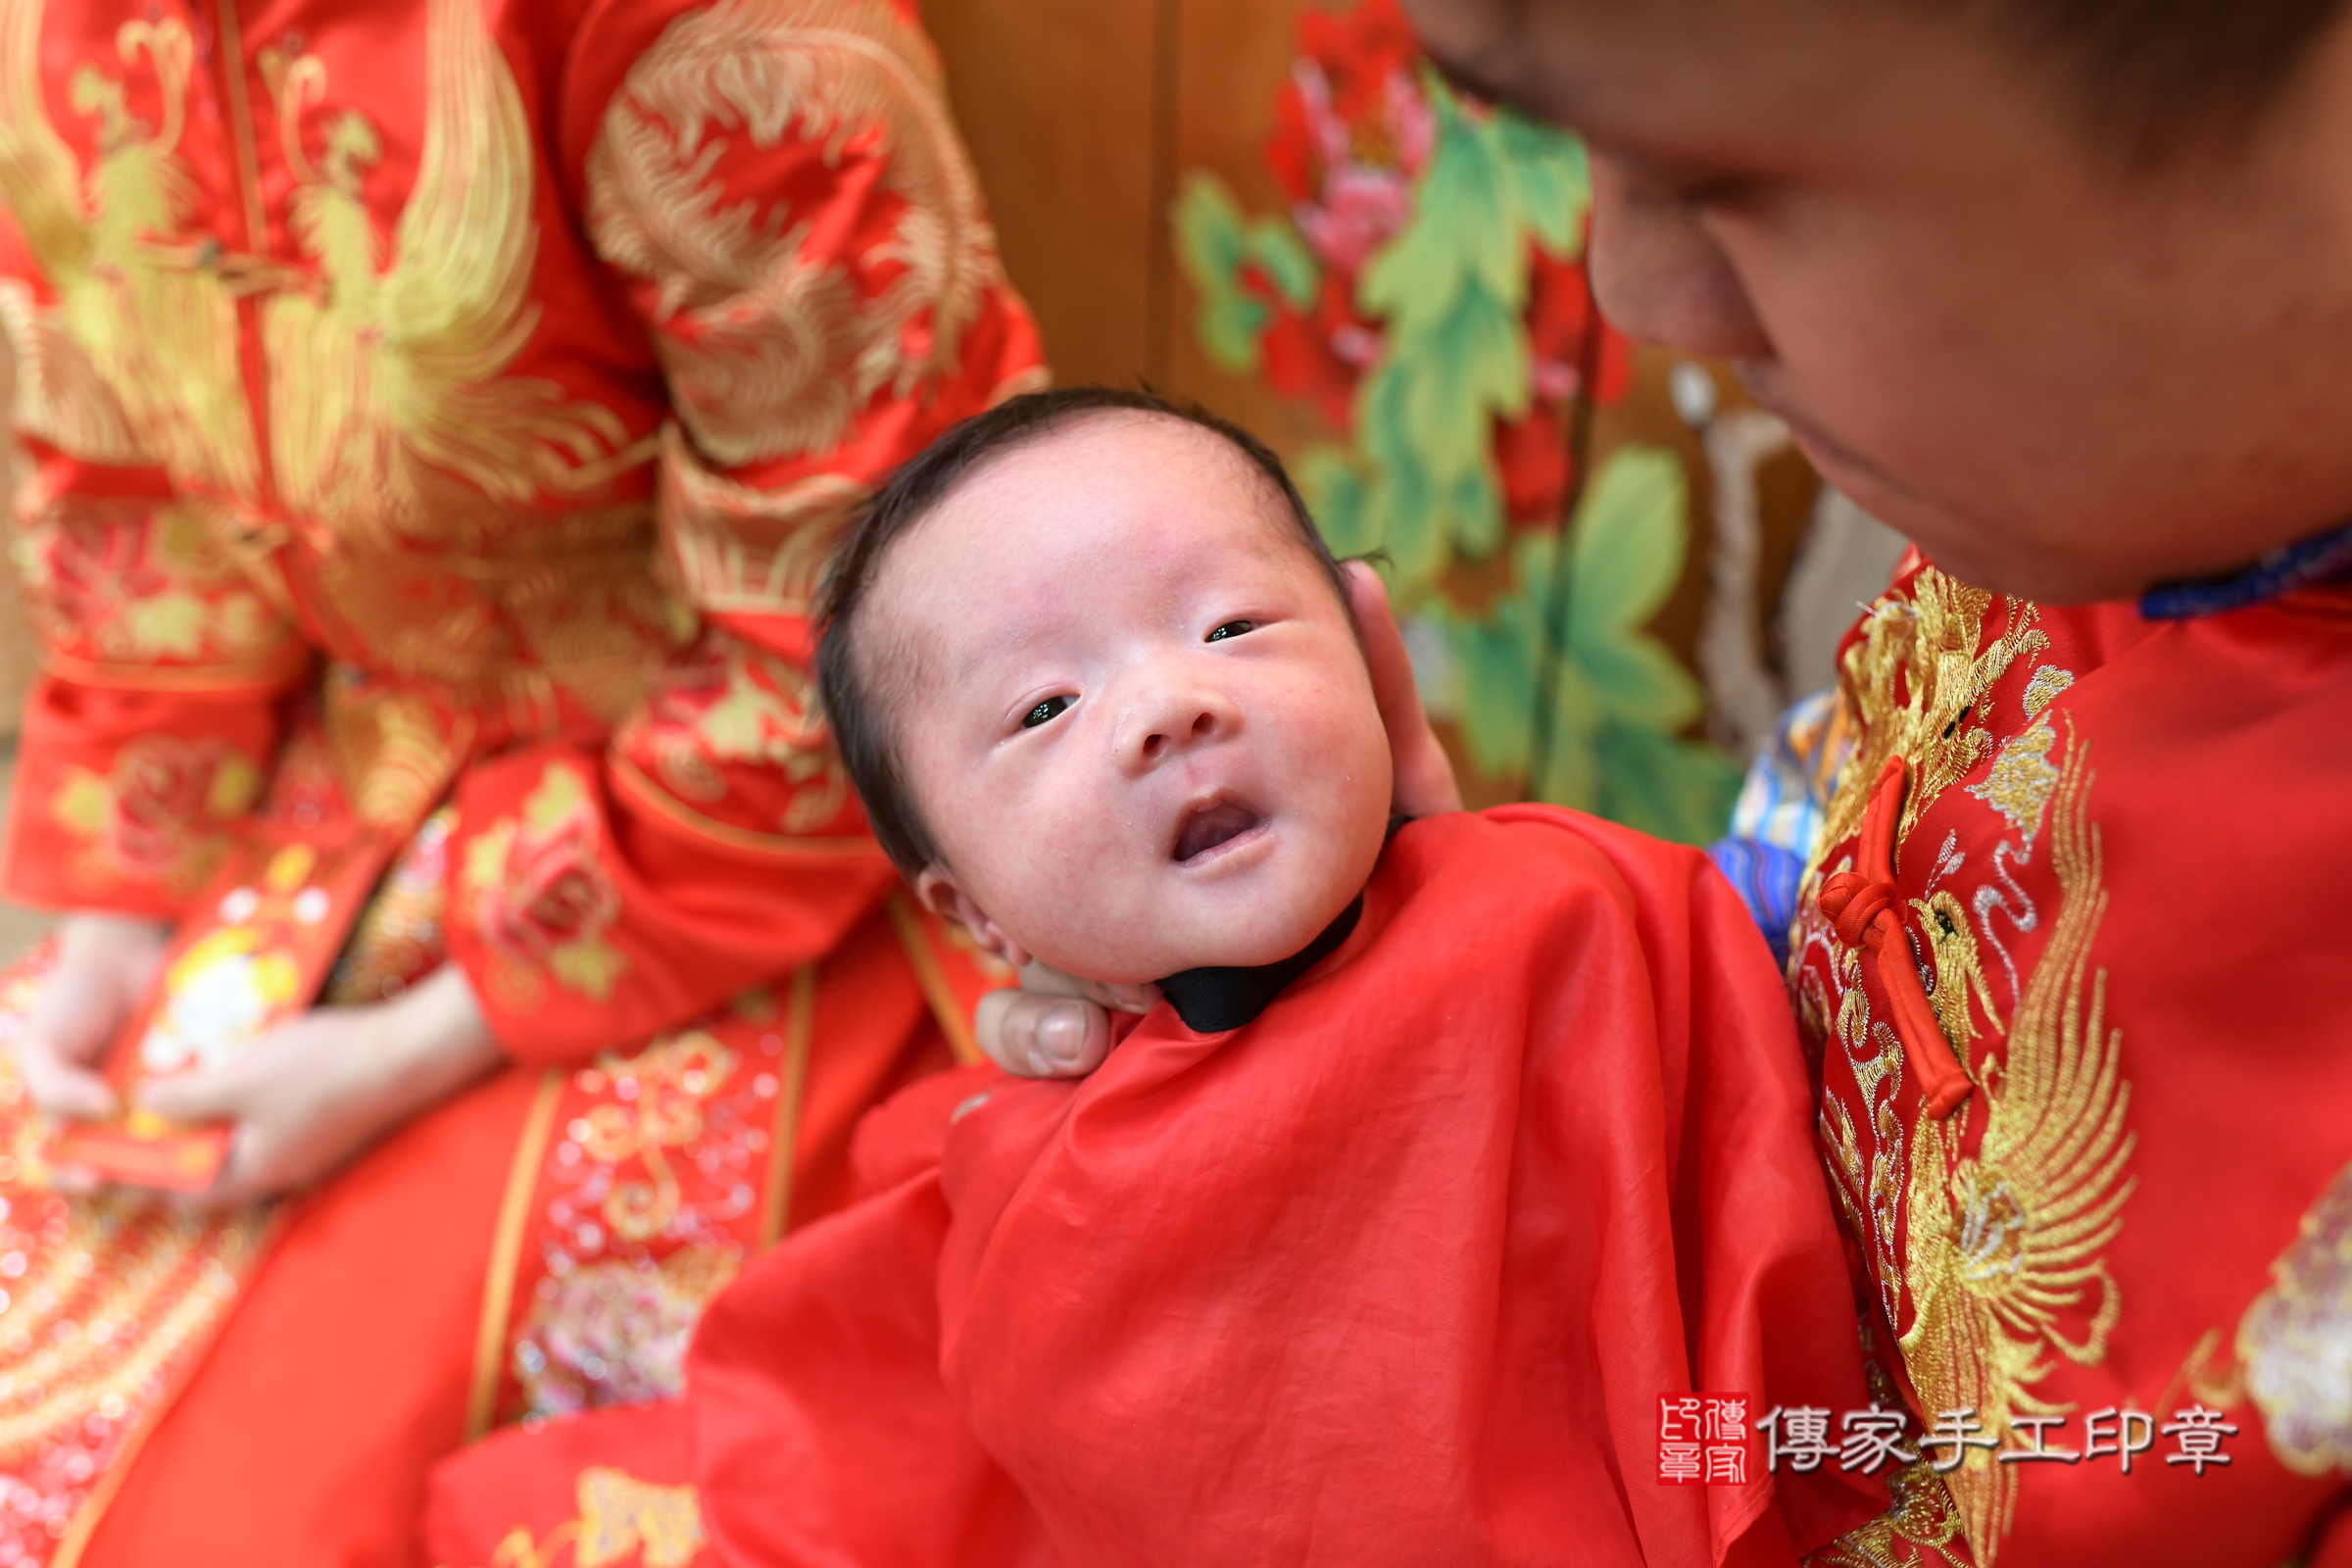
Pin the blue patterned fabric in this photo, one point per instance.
(2288, 568)
(1778, 819)
(1767, 879)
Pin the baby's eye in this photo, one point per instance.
(1232, 628)
(1044, 712)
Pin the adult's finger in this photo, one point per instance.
(61, 1087)
(207, 1094)
(1425, 783)
(1042, 1036)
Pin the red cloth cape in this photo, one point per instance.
(1395, 1274)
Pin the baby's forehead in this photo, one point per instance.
(1108, 488)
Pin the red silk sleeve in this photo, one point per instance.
(789, 212)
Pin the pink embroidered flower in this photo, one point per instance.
(541, 893)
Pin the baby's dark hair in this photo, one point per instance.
(860, 712)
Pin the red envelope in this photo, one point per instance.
(252, 954)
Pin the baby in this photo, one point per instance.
(1343, 1256)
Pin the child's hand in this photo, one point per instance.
(1057, 1027)
(314, 1091)
(104, 963)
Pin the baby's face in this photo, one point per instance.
(1136, 717)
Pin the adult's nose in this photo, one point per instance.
(1660, 276)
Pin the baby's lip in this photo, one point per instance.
(1209, 824)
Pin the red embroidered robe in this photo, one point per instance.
(2117, 849)
(1396, 1273)
(451, 402)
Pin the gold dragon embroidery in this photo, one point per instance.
(769, 347)
(391, 412)
(2004, 1245)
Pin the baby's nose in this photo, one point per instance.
(1157, 743)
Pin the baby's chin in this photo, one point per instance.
(1242, 923)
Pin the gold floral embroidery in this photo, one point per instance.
(158, 324)
(1926, 645)
(2006, 1244)
(739, 706)
(160, 816)
(542, 898)
(395, 381)
(674, 1077)
(772, 351)
(620, 1515)
(2295, 1342)
(124, 585)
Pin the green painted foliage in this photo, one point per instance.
(1215, 241)
(1417, 480)
(1620, 697)
(1452, 289)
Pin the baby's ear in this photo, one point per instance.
(936, 887)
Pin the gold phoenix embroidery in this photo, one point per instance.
(392, 386)
(139, 357)
(771, 350)
(2004, 1242)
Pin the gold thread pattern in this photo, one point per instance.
(1919, 676)
(771, 351)
(2004, 1245)
(155, 318)
(394, 383)
(542, 897)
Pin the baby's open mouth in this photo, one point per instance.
(1211, 824)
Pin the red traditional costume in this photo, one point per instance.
(1395, 1273)
(450, 402)
(2092, 859)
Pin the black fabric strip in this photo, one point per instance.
(1210, 999)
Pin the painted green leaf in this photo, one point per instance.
(1214, 242)
(1331, 481)
(1629, 539)
(1620, 699)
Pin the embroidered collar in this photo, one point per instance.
(2283, 569)
(1213, 998)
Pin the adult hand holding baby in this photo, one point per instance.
(1054, 1026)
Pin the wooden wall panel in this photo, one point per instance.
(1057, 99)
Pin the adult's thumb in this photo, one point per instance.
(208, 1095)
